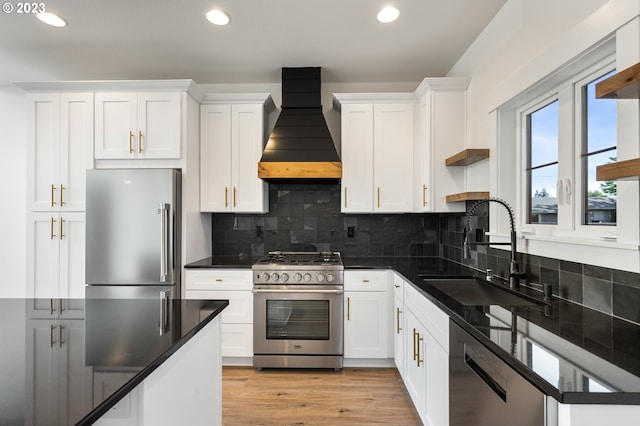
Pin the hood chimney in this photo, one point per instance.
(300, 145)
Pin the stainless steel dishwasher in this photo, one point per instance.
(484, 390)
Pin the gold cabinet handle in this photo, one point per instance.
(378, 197)
(51, 338)
(61, 192)
(61, 224)
(52, 222)
(424, 195)
(130, 142)
(365, 281)
(218, 280)
(53, 198)
(234, 197)
(140, 141)
(415, 354)
(419, 360)
(348, 308)
(226, 196)
(396, 286)
(398, 328)
(345, 196)
(60, 341)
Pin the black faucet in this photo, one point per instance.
(515, 275)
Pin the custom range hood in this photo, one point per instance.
(300, 146)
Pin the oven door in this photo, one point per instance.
(298, 320)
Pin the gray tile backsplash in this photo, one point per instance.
(307, 217)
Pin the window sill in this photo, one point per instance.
(594, 242)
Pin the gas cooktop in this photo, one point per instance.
(280, 267)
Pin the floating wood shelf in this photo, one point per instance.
(467, 196)
(619, 170)
(623, 85)
(466, 157)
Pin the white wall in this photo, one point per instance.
(13, 174)
(507, 48)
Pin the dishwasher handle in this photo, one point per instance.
(485, 377)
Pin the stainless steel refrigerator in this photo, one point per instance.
(132, 253)
(133, 233)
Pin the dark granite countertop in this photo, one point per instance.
(63, 359)
(570, 352)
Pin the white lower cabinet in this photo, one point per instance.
(237, 319)
(59, 385)
(426, 357)
(367, 325)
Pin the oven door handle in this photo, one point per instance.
(261, 290)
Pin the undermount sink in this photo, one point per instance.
(473, 292)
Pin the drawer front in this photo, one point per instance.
(240, 309)
(218, 279)
(435, 321)
(398, 286)
(367, 280)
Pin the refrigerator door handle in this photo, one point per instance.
(164, 311)
(163, 210)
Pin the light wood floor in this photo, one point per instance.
(315, 397)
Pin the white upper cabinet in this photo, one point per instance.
(377, 152)
(441, 126)
(142, 125)
(231, 144)
(59, 150)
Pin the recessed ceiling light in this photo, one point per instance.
(388, 14)
(217, 17)
(51, 19)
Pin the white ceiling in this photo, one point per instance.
(165, 39)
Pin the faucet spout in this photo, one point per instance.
(515, 275)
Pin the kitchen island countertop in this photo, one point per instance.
(58, 359)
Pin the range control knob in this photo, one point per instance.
(275, 276)
(320, 277)
(284, 277)
(297, 277)
(265, 276)
(307, 277)
(330, 277)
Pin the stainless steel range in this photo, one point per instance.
(298, 310)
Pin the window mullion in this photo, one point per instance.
(566, 188)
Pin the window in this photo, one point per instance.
(598, 147)
(542, 167)
(565, 134)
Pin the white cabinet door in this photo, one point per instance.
(215, 158)
(55, 272)
(116, 125)
(415, 370)
(59, 150)
(249, 193)
(437, 385)
(231, 143)
(357, 158)
(399, 335)
(159, 125)
(137, 125)
(393, 157)
(366, 326)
